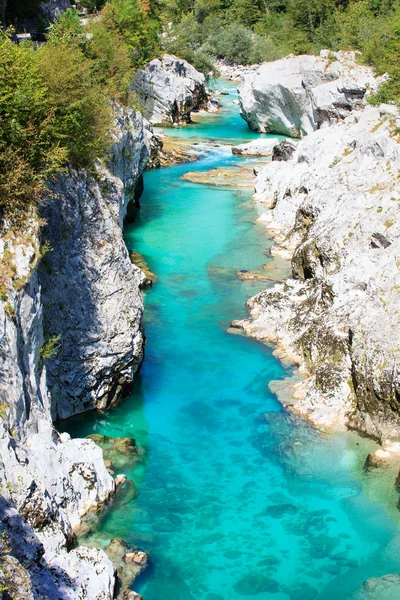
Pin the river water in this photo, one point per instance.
(235, 496)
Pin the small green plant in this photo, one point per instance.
(50, 347)
(335, 161)
(18, 283)
(9, 310)
(45, 248)
(3, 409)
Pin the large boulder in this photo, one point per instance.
(169, 89)
(297, 94)
(259, 147)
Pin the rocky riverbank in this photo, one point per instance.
(234, 72)
(71, 340)
(332, 209)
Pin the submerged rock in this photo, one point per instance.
(380, 588)
(278, 511)
(256, 583)
(120, 453)
(169, 89)
(138, 260)
(130, 563)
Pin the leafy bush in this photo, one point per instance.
(51, 114)
(233, 43)
(126, 18)
(50, 347)
(25, 144)
(82, 115)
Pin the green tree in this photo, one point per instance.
(247, 12)
(51, 114)
(234, 43)
(127, 19)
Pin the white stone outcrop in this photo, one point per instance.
(333, 208)
(297, 94)
(70, 340)
(234, 72)
(259, 147)
(48, 482)
(91, 296)
(169, 88)
(52, 9)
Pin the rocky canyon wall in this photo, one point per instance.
(70, 340)
(332, 208)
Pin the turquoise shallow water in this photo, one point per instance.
(235, 496)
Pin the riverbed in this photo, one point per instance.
(235, 497)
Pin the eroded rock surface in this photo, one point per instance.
(260, 147)
(297, 94)
(52, 9)
(169, 89)
(380, 588)
(48, 482)
(338, 317)
(91, 292)
(81, 317)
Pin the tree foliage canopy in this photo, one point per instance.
(55, 98)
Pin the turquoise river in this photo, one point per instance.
(235, 497)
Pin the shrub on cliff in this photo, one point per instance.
(125, 18)
(82, 115)
(51, 115)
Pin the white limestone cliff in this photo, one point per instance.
(333, 210)
(168, 89)
(298, 94)
(70, 339)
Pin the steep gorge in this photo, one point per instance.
(71, 341)
(72, 337)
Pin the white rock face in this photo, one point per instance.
(169, 89)
(234, 72)
(334, 209)
(91, 291)
(88, 294)
(261, 147)
(48, 482)
(297, 94)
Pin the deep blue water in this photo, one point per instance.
(235, 496)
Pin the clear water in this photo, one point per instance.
(235, 497)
